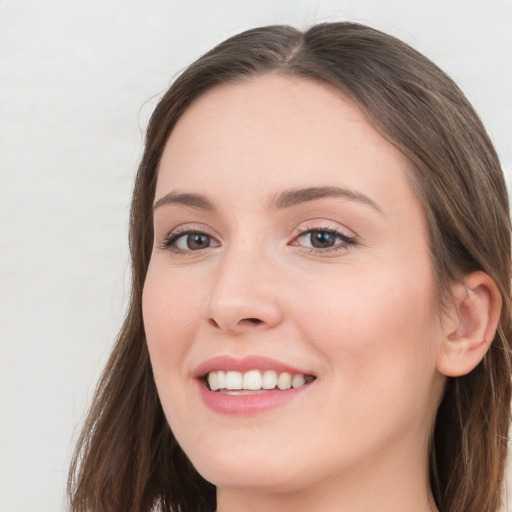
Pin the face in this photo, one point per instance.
(290, 269)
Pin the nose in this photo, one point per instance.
(244, 295)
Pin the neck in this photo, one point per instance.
(393, 485)
(327, 499)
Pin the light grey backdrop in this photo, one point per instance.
(78, 80)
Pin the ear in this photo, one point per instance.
(470, 325)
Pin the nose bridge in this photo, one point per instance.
(243, 294)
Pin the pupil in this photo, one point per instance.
(322, 239)
(198, 241)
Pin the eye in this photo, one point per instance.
(324, 239)
(318, 239)
(189, 241)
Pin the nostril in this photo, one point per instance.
(255, 321)
(235, 324)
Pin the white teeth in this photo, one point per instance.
(221, 376)
(213, 380)
(298, 380)
(269, 380)
(284, 381)
(255, 380)
(234, 380)
(217, 380)
(252, 380)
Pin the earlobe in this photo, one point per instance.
(470, 326)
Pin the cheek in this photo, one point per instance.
(376, 333)
(170, 311)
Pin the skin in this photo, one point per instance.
(361, 317)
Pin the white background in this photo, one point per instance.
(78, 80)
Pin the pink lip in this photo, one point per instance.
(243, 364)
(245, 404)
(248, 404)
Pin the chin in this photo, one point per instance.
(261, 469)
(248, 477)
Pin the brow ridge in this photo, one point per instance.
(187, 199)
(285, 199)
(293, 197)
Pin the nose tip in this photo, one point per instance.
(238, 316)
(243, 297)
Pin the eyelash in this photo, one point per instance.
(173, 237)
(346, 241)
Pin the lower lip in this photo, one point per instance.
(247, 404)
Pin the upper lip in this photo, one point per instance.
(244, 364)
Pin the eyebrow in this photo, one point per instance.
(285, 199)
(290, 198)
(193, 200)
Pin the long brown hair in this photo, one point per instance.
(127, 458)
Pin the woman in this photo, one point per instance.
(320, 310)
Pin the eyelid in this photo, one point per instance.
(324, 225)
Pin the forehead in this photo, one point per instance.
(273, 132)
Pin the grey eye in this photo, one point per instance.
(319, 239)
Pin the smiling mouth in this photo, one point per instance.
(254, 381)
